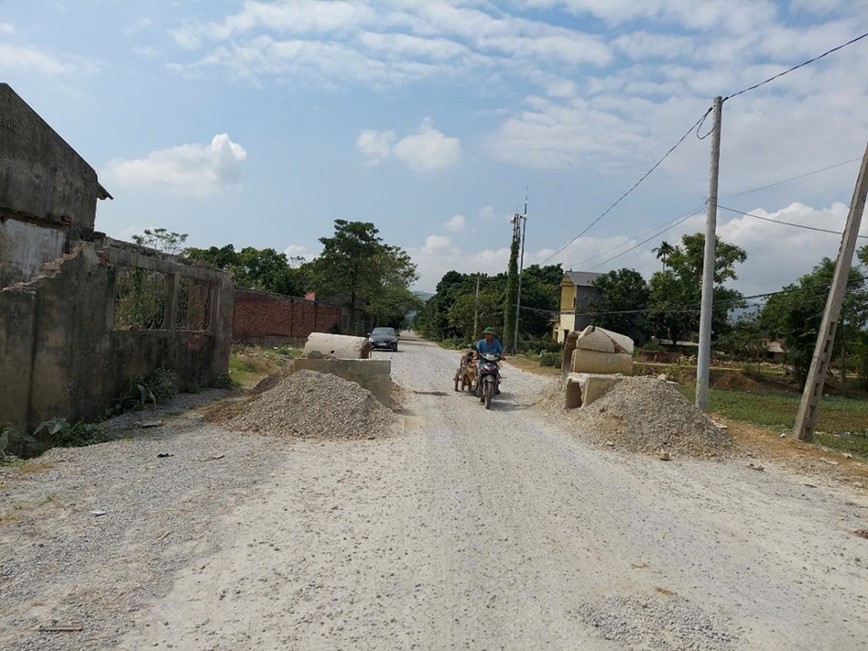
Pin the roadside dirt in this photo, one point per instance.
(469, 529)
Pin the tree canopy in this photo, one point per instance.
(359, 270)
(675, 293)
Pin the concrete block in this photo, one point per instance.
(321, 344)
(604, 341)
(375, 375)
(581, 389)
(592, 361)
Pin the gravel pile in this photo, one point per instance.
(309, 405)
(647, 415)
(658, 625)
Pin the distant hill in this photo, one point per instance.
(424, 295)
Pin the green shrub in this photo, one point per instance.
(536, 346)
(550, 359)
(68, 435)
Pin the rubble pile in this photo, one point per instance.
(310, 405)
(648, 415)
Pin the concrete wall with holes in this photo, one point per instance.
(61, 354)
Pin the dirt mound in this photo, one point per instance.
(644, 414)
(310, 405)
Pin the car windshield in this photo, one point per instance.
(383, 331)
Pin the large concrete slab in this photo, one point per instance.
(582, 389)
(375, 375)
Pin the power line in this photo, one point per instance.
(633, 248)
(694, 307)
(694, 211)
(804, 63)
(794, 178)
(783, 223)
(633, 187)
(654, 229)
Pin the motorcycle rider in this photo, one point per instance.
(489, 344)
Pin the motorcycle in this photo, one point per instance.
(488, 380)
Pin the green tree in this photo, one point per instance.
(356, 264)
(510, 298)
(621, 303)
(663, 252)
(675, 293)
(162, 240)
(262, 269)
(795, 315)
(540, 296)
(391, 299)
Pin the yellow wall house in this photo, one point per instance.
(576, 295)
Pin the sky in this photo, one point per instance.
(259, 123)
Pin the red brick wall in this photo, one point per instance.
(271, 318)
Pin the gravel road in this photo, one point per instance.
(468, 529)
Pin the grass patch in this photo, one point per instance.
(250, 364)
(841, 424)
(531, 364)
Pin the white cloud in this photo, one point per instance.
(440, 254)
(298, 254)
(376, 146)
(32, 60)
(196, 170)
(138, 26)
(456, 223)
(487, 213)
(425, 150)
(428, 149)
(776, 254)
(7, 28)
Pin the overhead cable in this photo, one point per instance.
(801, 65)
(783, 223)
(633, 187)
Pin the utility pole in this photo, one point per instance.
(703, 360)
(520, 269)
(807, 416)
(476, 312)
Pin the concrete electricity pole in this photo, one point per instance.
(703, 360)
(476, 312)
(520, 269)
(807, 416)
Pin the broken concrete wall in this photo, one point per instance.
(25, 247)
(63, 354)
(41, 176)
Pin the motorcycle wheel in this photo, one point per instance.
(487, 391)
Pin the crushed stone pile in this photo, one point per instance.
(648, 415)
(309, 404)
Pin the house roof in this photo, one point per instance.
(582, 278)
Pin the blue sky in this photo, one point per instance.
(259, 123)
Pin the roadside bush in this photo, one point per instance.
(550, 359)
(537, 346)
(69, 435)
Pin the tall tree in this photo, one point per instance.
(676, 292)
(357, 264)
(795, 314)
(262, 269)
(511, 297)
(621, 303)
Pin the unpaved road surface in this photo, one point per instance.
(468, 529)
